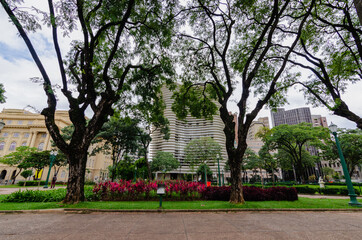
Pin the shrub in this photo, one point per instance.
(252, 193)
(31, 183)
(337, 191)
(305, 189)
(55, 195)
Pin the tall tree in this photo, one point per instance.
(331, 49)
(149, 111)
(204, 150)
(164, 162)
(235, 48)
(351, 144)
(117, 137)
(295, 140)
(124, 43)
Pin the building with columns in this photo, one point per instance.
(25, 128)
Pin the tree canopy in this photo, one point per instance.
(204, 150)
(330, 48)
(236, 48)
(294, 143)
(123, 47)
(351, 144)
(164, 162)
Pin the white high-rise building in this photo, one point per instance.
(182, 132)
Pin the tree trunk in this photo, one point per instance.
(75, 188)
(148, 168)
(261, 177)
(236, 193)
(358, 6)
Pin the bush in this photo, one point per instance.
(306, 189)
(337, 191)
(31, 183)
(252, 193)
(56, 195)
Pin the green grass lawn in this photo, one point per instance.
(301, 203)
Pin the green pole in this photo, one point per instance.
(218, 169)
(351, 193)
(135, 174)
(160, 200)
(223, 177)
(52, 158)
(205, 175)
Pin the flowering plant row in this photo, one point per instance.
(144, 190)
(183, 190)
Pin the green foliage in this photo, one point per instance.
(328, 171)
(124, 169)
(292, 142)
(31, 183)
(2, 93)
(56, 195)
(202, 150)
(164, 162)
(26, 173)
(201, 172)
(18, 157)
(332, 51)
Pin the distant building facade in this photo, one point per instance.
(24, 128)
(182, 132)
(291, 117)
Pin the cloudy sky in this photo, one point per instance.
(17, 67)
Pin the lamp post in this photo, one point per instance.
(218, 169)
(223, 177)
(135, 173)
(352, 195)
(53, 155)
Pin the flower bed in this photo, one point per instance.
(142, 190)
(183, 190)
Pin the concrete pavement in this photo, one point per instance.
(188, 226)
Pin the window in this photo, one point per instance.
(41, 146)
(62, 175)
(12, 146)
(20, 122)
(26, 135)
(9, 122)
(5, 134)
(44, 135)
(16, 134)
(30, 122)
(2, 144)
(23, 144)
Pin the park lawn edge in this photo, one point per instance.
(302, 204)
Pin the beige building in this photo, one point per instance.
(24, 128)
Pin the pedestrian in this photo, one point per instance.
(53, 181)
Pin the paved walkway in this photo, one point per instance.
(186, 226)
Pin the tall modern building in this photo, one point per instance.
(291, 117)
(182, 132)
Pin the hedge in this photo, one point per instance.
(252, 193)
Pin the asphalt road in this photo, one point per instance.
(174, 226)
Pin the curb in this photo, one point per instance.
(229, 210)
